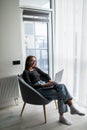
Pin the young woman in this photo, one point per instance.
(40, 80)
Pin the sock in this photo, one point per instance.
(75, 111)
(63, 120)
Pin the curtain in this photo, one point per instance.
(71, 46)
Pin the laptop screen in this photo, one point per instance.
(58, 76)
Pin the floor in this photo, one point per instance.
(33, 118)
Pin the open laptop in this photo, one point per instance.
(58, 78)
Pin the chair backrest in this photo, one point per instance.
(30, 95)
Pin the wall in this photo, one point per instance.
(10, 38)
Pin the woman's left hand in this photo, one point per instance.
(51, 81)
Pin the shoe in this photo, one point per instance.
(63, 120)
(75, 111)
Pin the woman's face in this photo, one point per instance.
(33, 62)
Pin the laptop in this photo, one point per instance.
(58, 78)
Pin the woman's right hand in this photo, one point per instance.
(48, 84)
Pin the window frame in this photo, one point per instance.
(50, 37)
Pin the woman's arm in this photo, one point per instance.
(26, 77)
(44, 76)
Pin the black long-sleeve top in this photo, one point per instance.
(31, 77)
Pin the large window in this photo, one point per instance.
(36, 42)
(36, 37)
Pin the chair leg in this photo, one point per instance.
(56, 104)
(44, 109)
(22, 109)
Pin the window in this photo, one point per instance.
(36, 36)
(35, 3)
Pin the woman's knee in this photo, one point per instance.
(62, 86)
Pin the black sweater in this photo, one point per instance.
(31, 77)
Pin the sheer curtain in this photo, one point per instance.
(70, 48)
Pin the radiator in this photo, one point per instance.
(8, 89)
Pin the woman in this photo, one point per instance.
(40, 80)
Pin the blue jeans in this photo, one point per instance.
(58, 92)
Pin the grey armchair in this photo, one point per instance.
(31, 96)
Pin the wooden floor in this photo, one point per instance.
(33, 119)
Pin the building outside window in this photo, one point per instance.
(35, 35)
(37, 32)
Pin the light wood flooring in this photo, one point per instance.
(33, 119)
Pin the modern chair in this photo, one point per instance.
(31, 96)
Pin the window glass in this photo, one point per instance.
(35, 34)
(35, 3)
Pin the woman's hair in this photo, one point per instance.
(27, 63)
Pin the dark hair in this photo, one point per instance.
(27, 63)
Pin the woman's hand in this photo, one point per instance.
(48, 84)
(51, 81)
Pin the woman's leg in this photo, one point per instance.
(63, 93)
(66, 99)
(73, 110)
(60, 93)
(62, 107)
(64, 120)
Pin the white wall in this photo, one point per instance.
(10, 38)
